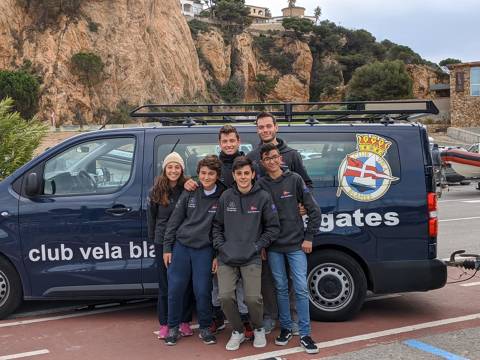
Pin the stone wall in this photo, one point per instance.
(465, 109)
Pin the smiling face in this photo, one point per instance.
(243, 177)
(267, 129)
(271, 161)
(207, 177)
(173, 171)
(229, 143)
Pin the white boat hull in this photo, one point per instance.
(469, 171)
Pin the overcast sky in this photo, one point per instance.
(436, 29)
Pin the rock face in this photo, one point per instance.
(242, 62)
(217, 55)
(146, 47)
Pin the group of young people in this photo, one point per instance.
(224, 240)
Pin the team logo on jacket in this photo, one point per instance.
(213, 209)
(192, 203)
(286, 194)
(365, 175)
(232, 207)
(253, 209)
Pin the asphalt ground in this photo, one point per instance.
(440, 324)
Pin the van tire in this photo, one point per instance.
(340, 273)
(10, 288)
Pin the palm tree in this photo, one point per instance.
(317, 13)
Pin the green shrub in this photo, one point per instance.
(197, 26)
(88, 67)
(273, 55)
(46, 12)
(264, 85)
(93, 26)
(23, 88)
(18, 138)
(449, 61)
(325, 78)
(298, 25)
(121, 115)
(232, 91)
(387, 80)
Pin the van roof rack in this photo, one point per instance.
(310, 113)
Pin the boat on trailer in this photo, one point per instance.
(464, 162)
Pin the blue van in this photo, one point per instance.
(73, 224)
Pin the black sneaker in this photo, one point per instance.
(172, 337)
(207, 337)
(284, 337)
(309, 345)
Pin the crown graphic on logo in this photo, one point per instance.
(372, 143)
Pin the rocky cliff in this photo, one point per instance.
(242, 60)
(146, 47)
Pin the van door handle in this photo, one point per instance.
(118, 211)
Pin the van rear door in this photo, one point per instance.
(81, 235)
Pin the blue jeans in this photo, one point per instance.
(195, 265)
(162, 304)
(297, 261)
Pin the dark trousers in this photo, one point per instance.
(195, 265)
(162, 305)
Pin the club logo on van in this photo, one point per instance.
(364, 175)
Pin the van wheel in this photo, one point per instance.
(337, 286)
(10, 288)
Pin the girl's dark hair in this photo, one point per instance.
(240, 162)
(161, 190)
(212, 162)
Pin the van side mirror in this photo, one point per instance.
(32, 185)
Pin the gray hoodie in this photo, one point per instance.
(287, 192)
(191, 221)
(244, 224)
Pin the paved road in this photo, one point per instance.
(444, 323)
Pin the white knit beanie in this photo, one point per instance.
(173, 157)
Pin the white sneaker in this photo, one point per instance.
(235, 340)
(259, 340)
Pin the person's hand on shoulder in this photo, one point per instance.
(190, 185)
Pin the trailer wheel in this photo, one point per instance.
(337, 286)
(10, 288)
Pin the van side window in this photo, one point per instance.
(102, 166)
(323, 153)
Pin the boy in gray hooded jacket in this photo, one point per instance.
(288, 190)
(245, 224)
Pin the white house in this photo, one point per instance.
(191, 8)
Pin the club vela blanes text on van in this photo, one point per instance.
(146, 250)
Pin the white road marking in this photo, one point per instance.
(471, 201)
(25, 354)
(460, 219)
(79, 314)
(443, 201)
(471, 284)
(382, 297)
(363, 337)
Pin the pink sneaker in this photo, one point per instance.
(163, 332)
(185, 329)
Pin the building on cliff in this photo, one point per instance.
(259, 15)
(465, 94)
(296, 11)
(191, 8)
